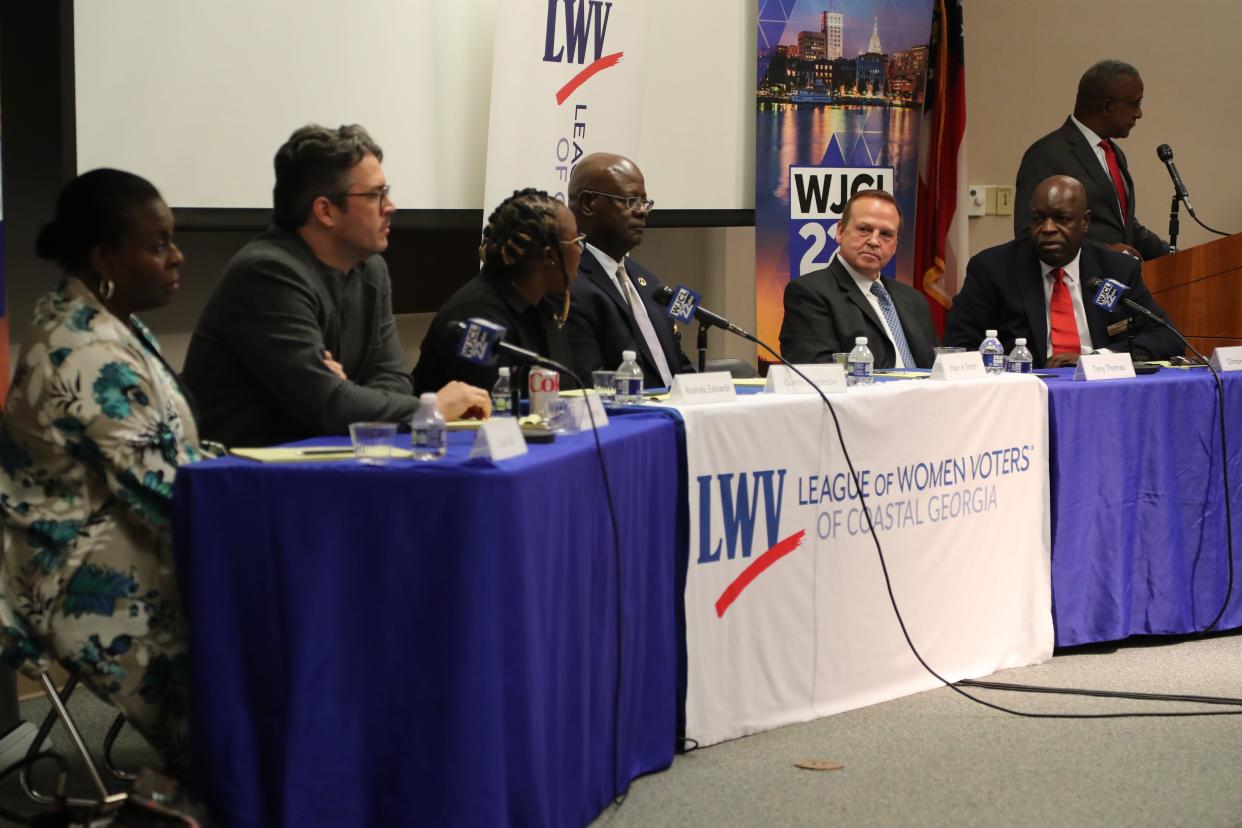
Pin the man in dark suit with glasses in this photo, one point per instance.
(1109, 104)
(613, 309)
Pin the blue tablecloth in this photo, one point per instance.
(430, 644)
(1138, 519)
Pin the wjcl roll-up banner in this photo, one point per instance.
(840, 96)
(566, 79)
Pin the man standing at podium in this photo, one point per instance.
(1036, 287)
(1109, 104)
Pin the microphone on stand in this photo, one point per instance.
(1165, 153)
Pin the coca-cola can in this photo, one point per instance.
(542, 386)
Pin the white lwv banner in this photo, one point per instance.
(566, 81)
(787, 615)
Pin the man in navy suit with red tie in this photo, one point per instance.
(1109, 103)
(1037, 287)
(613, 309)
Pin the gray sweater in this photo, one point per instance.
(255, 362)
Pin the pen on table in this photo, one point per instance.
(336, 450)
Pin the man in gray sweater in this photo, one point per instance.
(298, 339)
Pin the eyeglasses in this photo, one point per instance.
(579, 240)
(1137, 103)
(381, 195)
(632, 203)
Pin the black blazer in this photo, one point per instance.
(1066, 152)
(825, 310)
(1005, 290)
(601, 326)
(528, 326)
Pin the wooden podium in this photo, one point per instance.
(1200, 288)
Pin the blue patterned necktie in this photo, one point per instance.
(894, 324)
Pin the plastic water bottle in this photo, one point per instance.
(1020, 358)
(629, 380)
(993, 353)
(428, 431)
(861, 364)
(502, 395)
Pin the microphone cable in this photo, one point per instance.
(954, 686)
(1204, 226)
(618, 797)
(1148, 315)
(530, 356)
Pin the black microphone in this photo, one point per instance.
(664, 295)
(517, 353)
(1165, 153)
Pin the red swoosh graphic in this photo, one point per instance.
(606, 62)
(757, 568)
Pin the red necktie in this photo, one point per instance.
(1061, 314)
(1114, 171)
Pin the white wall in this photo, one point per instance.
(1023, 63)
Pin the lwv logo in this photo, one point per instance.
(583, 20)
(739, 509)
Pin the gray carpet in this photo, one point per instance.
(938, 759)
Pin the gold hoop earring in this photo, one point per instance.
(106, 288)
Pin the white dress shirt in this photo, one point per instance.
(610, 266)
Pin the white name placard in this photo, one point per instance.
(499, 439)
(1227, 358)
(584, 407)
(693, 389)
(828, 377)
(962, 365)
(1104, 367)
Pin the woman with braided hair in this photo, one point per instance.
(530, 251)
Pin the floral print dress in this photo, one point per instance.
(92, 433)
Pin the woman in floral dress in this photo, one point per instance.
(92, 433)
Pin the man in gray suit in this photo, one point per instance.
(1109, 104)
(827, 309)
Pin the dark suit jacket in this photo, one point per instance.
(1066, 152)
(1005, 290)
(601, 326)
(825, 310)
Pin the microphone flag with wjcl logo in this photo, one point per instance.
(683, 304)
(567, 76)
(478, 341)
(1108, 293)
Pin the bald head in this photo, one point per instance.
(598, 170)
(600, 189)
(1059, 219)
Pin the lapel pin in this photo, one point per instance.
(642, 282)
